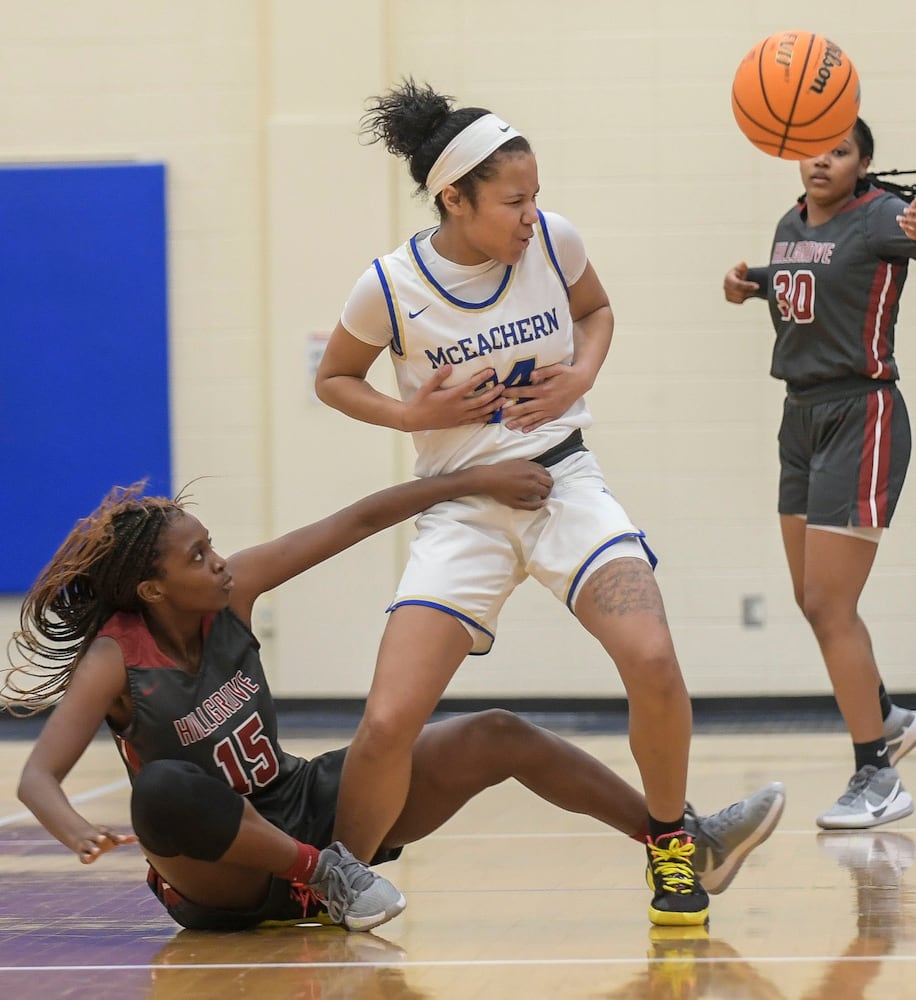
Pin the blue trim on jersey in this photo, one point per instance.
(551, 253)
(449, 611)
(392, 312)
(641, 535)
(425, 271)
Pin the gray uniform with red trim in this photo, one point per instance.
(833, 292)
(224, 720)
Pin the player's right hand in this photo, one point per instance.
(435, 407)
(737, 287)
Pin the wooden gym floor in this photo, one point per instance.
(512, 898)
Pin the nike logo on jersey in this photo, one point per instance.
(506, 129)
(414, 315)
(148, 690)
(881, 753)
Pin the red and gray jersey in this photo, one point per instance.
(221, 718)
(834, 292)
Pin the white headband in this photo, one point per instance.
(471, 146)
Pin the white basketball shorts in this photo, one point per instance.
(470, 554)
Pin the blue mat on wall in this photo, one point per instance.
(84, 400)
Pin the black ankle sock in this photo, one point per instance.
(874, 753)
(886, 703)
(659, 829)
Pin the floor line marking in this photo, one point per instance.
(88, 796)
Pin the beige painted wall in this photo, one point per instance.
(275, 208)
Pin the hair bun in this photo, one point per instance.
(406, 117)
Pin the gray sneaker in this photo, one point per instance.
(355, 896)
(900, 732)
(873, 796)
(724, 839)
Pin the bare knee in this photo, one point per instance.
(498, 727)
(495, 740)
(813, 610)
(825, 615)
(650, 669)
(382, 735)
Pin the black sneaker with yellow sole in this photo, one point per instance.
(678, 897)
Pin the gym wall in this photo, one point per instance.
(274, 208)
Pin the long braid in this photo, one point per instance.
(905, 191)
(94, 573)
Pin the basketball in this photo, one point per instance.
(795, 95)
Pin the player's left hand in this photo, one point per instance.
(552, 391)
(100, 840)
(908, 220)
(517, 483)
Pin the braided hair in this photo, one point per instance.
(866, 143)
(94, 573)
(905, 191)
(416, 123)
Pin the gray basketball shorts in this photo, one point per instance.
(471, 553)
(843, 460)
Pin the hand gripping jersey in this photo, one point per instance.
(834, 291)
(510, 318)
(221, 718)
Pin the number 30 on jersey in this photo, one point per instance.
(795, 295)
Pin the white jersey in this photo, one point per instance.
(430, 311)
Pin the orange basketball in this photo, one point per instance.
(795, 95)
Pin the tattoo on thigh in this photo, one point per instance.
(627, 587)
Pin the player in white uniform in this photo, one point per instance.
(512, 320)
(497, 325)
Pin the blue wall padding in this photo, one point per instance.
(84, 390)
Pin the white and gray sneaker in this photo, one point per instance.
(355, 896)
(872, 797)
(900, 732)
(723, 840)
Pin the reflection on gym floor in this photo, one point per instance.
(511, 898)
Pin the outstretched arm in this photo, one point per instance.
(517, 483)
(97, 684)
